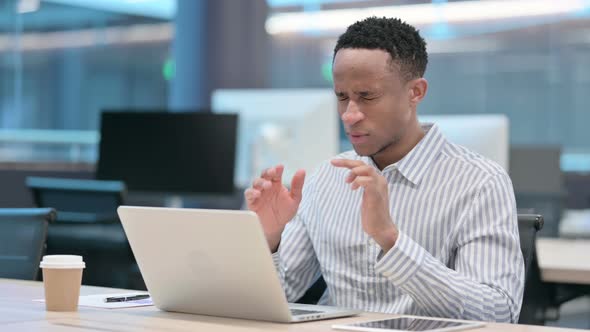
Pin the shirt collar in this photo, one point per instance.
(420, 158)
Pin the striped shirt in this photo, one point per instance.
(458, 252)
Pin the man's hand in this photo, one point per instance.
(274, 204)
(375, 215)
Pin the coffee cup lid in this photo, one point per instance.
(62, 262)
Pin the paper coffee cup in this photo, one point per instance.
(62, 277)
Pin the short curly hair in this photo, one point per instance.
(401, 40)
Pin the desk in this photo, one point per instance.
(564, 260)
(19, 313)
(575, 224)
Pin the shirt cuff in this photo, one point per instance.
(402, 261)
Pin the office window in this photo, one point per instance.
(63, 61)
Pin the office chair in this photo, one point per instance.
(23, 233)
(537, 294)
(87, 224)
(79, 201)
(314, 293)
(528, 226)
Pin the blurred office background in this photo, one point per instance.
(64, 62)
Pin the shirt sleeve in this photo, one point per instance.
(295, 260)
(485, 281)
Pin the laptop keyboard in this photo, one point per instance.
(297, 312)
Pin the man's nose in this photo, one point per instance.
(352, 114)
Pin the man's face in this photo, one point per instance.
(373, 100)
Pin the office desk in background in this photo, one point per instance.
(575, 224)
(564, 260)
(19, 313)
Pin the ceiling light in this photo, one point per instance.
(421, 14)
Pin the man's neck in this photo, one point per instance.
(399, 150)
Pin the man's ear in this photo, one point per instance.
(417, 90)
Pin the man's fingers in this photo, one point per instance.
(357, 168)
(364, 170)
(252, 195)
(350, 177)
(297, 185)
(268, 173)
(346, 163)
(273, 173)
(257, 183)
(278, 174)
(261, 184)
(362, 181)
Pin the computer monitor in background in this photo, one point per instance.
(486, 134)
(538, 183)
(296, 127)
(547, 178)
(166, 152)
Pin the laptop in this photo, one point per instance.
(212, 262)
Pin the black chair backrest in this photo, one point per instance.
(23, 233)
(528, 226)
(535, 298)
(78, 200)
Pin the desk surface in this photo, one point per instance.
(564, 260)
(19, 313)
